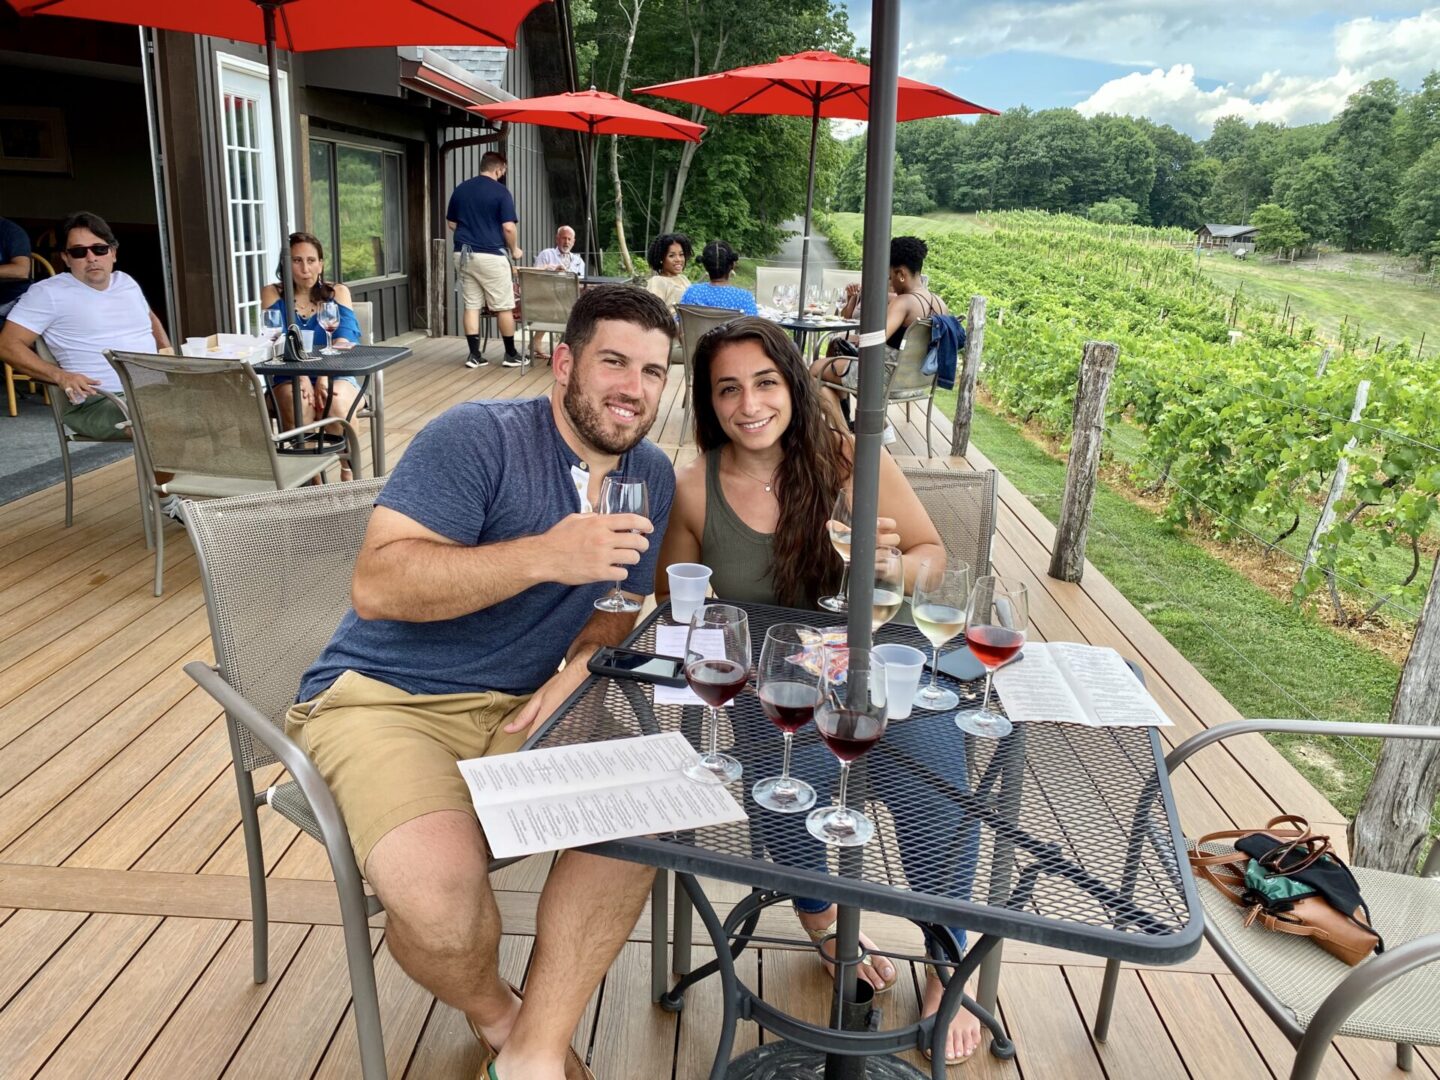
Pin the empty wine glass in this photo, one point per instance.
(850, 720)
(777, 297)
(812, 299)
(941, 594)
(839, 528)
(787, 682)
(621, 495)
(329, 322)
(995, 623)
(717, 663)
(889, 591)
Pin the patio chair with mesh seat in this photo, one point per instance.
(1310, 995)
(905, 378)
(546, 297)
(961, 506)
(695, 319)
(205, 422)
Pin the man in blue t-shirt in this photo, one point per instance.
(14, 265)
(478, 575)
(482, 217)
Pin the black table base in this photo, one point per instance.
(786, 1061)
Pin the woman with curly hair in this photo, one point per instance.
(668, 256)
(719, 260)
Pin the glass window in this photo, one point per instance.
(322, 194)
(356, 208)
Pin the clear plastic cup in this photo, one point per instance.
(903, 665)
(689, 583)
(307, 340)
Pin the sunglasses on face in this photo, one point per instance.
(78, 252)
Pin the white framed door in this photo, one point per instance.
(251, 200)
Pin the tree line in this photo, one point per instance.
(1368, 179)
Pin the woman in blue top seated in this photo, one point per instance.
(307, 274)
(719, 260)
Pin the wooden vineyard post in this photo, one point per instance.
(969, 368)
(1394, 818)
(1337, 481)
(1087, 434)
(1324, 361)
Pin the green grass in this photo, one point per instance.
(1268, 658)
(945, 221)
(1394, 310)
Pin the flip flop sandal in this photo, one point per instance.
(819, 936)
(575, 1069)
(929, 1055)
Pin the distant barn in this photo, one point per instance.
(1229, 237)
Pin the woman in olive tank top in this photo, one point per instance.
(754, 508)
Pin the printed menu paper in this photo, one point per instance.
(1076, 684)
(570, 796)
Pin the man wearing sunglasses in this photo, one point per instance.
(81, 314)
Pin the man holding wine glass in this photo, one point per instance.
(479, 575)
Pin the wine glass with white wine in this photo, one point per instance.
(839, 531)
(941, 593)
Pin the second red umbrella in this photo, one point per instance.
(595, 113)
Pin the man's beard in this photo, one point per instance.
(589, 422)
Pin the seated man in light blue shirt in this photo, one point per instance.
(562, 256)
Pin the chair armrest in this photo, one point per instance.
(1295, 727)
(297, 763)
(352, 440)
(1356, 988)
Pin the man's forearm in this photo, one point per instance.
(425, 581)
(15, 271)
(27, 361)
(602, 628)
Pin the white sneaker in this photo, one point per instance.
(170, 506)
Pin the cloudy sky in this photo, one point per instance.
(1179, 62)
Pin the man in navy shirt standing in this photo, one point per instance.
(482, 217)
(478, 575)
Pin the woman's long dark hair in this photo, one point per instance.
(322, 290)
(813, 464)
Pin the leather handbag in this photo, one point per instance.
(1290, 880)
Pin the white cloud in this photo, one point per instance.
(1364, 49)
(924, 63)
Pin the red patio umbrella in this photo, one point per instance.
(812, 84)
(595, 113)
(307, 26)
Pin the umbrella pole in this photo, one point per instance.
(590, 234)
(282, 193)
(809, 209)
(870, 418)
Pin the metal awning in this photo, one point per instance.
(428, 73)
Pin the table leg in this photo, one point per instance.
(659, 934)
(684, 933)
(844, 1014)
(730, 990)
(298, 416)
(377, 424)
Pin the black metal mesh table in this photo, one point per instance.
(366, 362)
(1057, 834)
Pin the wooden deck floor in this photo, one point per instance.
(124, 946)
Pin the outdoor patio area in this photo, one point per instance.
(124, 906)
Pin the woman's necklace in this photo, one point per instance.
(766, 484)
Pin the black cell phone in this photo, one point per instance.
(960, 664)
(646, 667)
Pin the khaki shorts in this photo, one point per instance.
(485, 281)
(95, 418)
(390, 756)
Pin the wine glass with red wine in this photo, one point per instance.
(717, 664)
(788, 683)
(995, 623)
(850, 720)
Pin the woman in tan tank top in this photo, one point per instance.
(754, 508)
